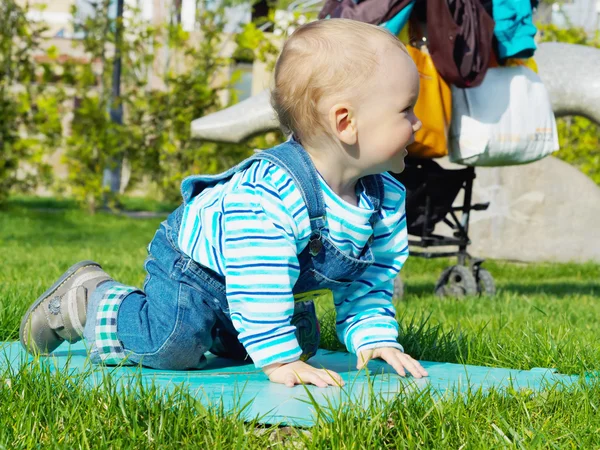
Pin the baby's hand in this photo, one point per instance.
(395, 358)
(298, 372)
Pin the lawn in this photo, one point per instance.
(545, 315)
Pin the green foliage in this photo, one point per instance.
(189, 73)
(253, 44)
(23, 104)
(193, 75)
(95, 142)
(579, 137)
(571, 35)
(580, 145)
(169, 78)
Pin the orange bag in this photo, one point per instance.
(433, 108)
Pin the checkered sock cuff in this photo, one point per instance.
(109, 348)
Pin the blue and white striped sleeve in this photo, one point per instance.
(366, 314)
(261, 269)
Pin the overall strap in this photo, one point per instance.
(373, 185)
(292, 157)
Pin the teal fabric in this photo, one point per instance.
(514, 29)
(233, 383)
(396, 23)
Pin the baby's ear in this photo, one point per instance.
(343, 123)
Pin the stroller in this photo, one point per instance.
(430, 194)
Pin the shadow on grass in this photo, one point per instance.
(42, 203)
(418, 289)
(67, 226)
(54, 205)
(555, 289)
(559, 289)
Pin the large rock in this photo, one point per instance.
(571, 73)
(544, 211)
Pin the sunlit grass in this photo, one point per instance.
(545, 315)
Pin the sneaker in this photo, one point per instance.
(59, 314)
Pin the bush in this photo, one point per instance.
(155, 138)
(28, 116)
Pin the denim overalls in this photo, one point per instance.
(183, 311)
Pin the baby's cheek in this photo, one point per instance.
(373, 133)
(406, 129)
(389, 127)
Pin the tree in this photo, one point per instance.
(28, 115)
(155, 139)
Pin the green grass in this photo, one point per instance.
(545, 315)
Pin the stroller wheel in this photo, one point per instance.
(456, 281)
(398, 287)
(485, 282)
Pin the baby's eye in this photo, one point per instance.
(407, 110)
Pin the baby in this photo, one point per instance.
(234, 270)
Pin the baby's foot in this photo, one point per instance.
(59, 314)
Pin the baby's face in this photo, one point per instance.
(386, 121)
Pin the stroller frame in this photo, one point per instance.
(461, 227)
(430, 196)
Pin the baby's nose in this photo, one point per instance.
(417, 126)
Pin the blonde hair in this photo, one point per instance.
(321, 59)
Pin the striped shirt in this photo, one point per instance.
(251, 229)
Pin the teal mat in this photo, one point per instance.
(234, 384)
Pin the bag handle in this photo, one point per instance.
(416, 37)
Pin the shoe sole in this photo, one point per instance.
(51, 290)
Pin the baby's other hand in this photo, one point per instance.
(299, 372)
(395, 358)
